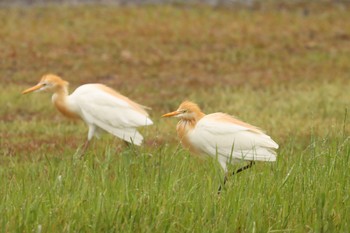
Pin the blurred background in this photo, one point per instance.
(123, 2)
(142, 2)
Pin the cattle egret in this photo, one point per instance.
(102, 108)
(222, 136)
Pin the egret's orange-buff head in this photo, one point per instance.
(187, 111)
(48, 82)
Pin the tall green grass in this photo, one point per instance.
(164, 189)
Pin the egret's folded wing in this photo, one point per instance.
(225, 138)
(99, 107)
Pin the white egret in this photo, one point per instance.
(222, 136)
(102, 108)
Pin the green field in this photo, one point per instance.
(283, 68)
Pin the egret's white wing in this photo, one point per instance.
(127, 134)
(221, 135)
(110, 111)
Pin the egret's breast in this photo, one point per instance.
(184, 129)
(66, 107)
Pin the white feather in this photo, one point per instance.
(105, 111)
(231, 142)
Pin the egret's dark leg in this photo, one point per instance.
(220, 187)
(244, 168)
(238, 171)
(128, 144)
(93, 130)
(85, 146)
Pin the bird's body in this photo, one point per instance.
(222, 136)
(99, 106)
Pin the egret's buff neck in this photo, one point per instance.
(189, 116)
(59, 98)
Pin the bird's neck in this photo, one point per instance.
(59, 99)
(192, 118)
(186, 125)
(184, 128)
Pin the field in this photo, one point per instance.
(283, 68)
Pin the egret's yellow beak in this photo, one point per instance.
(36, 87)
(170, 114)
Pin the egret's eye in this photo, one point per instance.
(184, 111)
(44, 84)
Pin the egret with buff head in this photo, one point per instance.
(99, 106)
(222, 136)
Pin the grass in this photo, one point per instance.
(275, 67)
